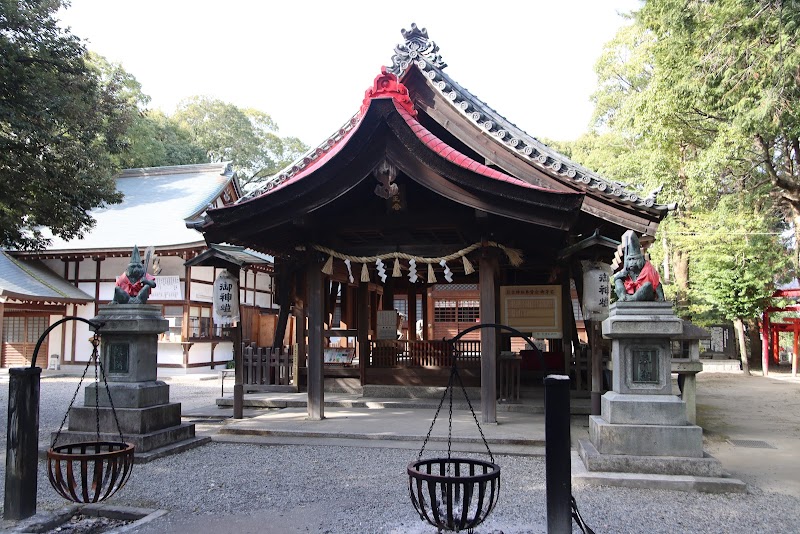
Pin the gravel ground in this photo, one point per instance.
(242, 488)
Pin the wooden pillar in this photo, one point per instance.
(595, 345)
(374, 301)
(316, 379)
(412, 313)
(487, 272)
(387, 302)
(567, 328)
(238, 362)
(362, 323)
(284, 301)
(794, 350)
(765, 343)
(776, 345)
(427, 314)
(300, 357)
(75, 323)
(97, 261)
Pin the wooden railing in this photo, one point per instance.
(403, 353)
(266, 367)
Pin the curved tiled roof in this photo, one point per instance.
(333, 145)
(423, 54)
(33, 281)
(156, 204)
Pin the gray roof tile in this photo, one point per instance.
(32, 280)
(156, 205)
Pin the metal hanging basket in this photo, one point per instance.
(454, 494)
(90, 472)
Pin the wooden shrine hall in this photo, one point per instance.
(424, 189)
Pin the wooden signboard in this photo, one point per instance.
(535, 310)
(267, 323)
(388, 324)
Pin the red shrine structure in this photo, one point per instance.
(429, 200)
(771, 330)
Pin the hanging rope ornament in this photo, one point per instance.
(381, 270)
(412, 271)
(514, 258)
(349, 271)
(468, 269)
(328, 267)
(448, 274)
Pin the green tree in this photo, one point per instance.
(735, 67)
(247, 137)
(56, 129)
(737, 260)
(155, 140)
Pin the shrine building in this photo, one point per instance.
(429, 203)
(74, 277)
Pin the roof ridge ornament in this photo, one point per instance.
(386, 85)
(416, 46)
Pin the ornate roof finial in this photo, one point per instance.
(386, 84)
(417, 46)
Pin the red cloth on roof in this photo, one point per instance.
(648, 274)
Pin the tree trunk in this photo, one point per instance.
(738, 327)
(754, 333)
(796, 224)
(681, 271)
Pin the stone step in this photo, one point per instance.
(131, 420)
(143, 442)
(582, 476)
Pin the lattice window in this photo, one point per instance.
(444, 311)
(36, 327)
(13, 329)
(468, 311)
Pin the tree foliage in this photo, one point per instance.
(736, 259)
(155, 140)
(703, 98)
(734, 67)
(248, 137)
(59, 124)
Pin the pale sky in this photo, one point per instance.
(307, 63)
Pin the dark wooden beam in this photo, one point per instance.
(362, 323)
(488, 274)
(314, 298)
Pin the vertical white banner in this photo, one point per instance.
(226, 299)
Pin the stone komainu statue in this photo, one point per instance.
(134, 285)
(638, 280)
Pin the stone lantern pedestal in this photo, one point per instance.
(147, 418)
(642, 436)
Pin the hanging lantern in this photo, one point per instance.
(226, 299)
(596, 290)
